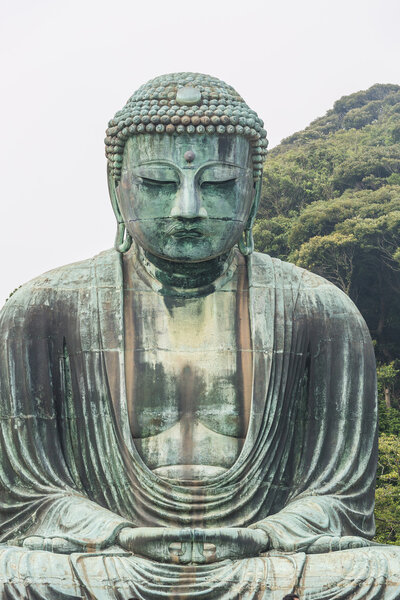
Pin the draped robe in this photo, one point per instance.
(69, 467)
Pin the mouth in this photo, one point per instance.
(187, 233)
(185, 230)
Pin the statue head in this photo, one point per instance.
(185, 158)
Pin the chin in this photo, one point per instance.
(185, 258)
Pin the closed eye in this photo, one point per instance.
(219, 183)
(148, 181)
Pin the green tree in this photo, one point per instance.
(387, 379)
(331, 203)
(387, 497)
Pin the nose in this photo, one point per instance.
(188, 203)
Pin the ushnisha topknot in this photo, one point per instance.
(191, 103)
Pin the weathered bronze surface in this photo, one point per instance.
(181, 417)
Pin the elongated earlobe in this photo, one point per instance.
(123, 240)
(246, 242)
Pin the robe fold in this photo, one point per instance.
(69, 467)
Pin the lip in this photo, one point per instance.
(188, 233)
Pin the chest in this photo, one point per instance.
(187, 365)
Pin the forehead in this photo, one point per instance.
(226, 149)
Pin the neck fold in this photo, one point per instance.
(187, 279)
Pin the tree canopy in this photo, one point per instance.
(331, 204)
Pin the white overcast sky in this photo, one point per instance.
(69, 65)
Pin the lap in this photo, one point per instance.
(369, 573)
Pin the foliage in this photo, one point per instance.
(387, 494)
(387, 498)
(331, 204)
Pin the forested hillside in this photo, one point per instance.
(331, 204)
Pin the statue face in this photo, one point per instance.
(187, 197)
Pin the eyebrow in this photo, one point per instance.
(167, 163)
(153, 161)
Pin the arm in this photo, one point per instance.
(68, 523)
(335, 433)
(39, 496)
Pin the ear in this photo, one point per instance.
(246, 245)
(256, 202)
(112, 190)
(123, 240)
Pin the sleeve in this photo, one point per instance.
(334, 448)
(38, 495)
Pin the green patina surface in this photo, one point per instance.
(181, 417)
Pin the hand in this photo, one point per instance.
(331, 543)
(232, 543)
(154, 542)
(197, 546)
(56, 544)
(352, 541)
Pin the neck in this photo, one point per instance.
(186, 276)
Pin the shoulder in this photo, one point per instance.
(315, 293)
(267, 271)
(62, 282)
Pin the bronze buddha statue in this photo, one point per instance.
(182, 417)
